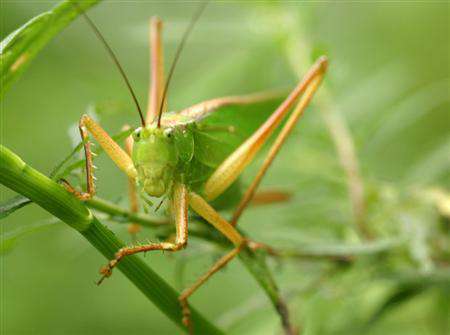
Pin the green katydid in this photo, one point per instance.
(186, 158)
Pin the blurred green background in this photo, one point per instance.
(388, 77)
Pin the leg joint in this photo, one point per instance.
(179, 245)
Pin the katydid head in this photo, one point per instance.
(155, 159)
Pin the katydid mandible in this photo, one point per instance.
(177, 156)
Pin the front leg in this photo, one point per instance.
(179, 206)
(112, 149)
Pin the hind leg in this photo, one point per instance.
(236, 162)
(275, 148)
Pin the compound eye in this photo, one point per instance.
(137, 135)
(168, 132)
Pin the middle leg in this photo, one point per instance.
(179, 206)
(112, 149)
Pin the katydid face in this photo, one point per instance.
(154, 157)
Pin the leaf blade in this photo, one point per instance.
(20, 47)
(11, 205)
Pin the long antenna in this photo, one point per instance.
(113, 57)
(186, 34)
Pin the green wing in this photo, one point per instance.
(221, 132)
(217, 135)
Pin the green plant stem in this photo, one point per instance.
(70, 210)
(297, 49)
(122, 215)
(20, 177)
(145, 279)
(255, 262)
(200, 229)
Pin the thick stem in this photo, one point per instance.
(20, 177)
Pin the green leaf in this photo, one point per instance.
(9, 240)
(10, 206)
(409, 286)
(401, 295)
(20, 47)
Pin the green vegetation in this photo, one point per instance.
(365, 235)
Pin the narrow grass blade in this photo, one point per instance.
(20, 47)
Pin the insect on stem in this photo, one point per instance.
(186, 34)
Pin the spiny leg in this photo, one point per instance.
(156, 70)
(89, 166)
(113, 150)
(179, 207)
(276, 146)
(133, 228)
(233, 166)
